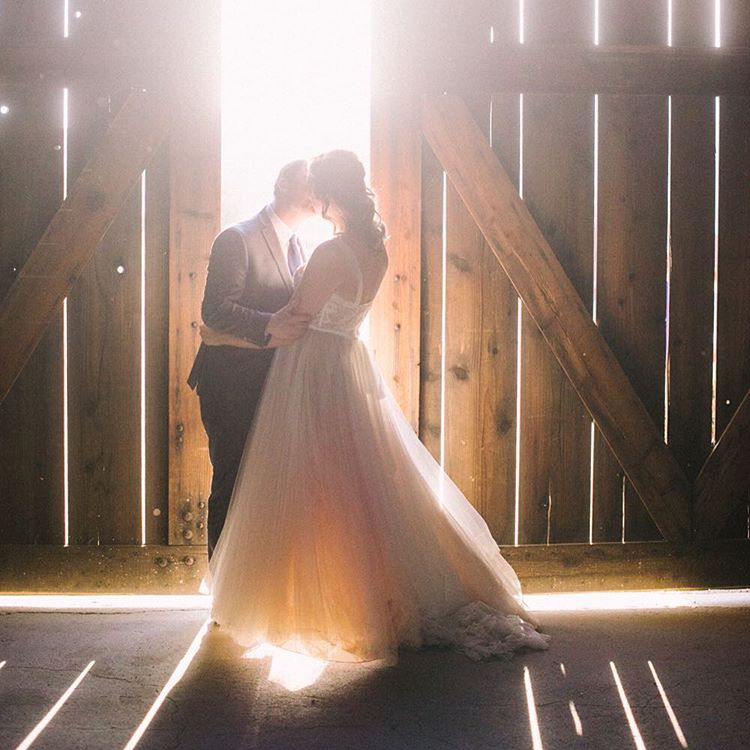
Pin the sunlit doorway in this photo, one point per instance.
(295, 83)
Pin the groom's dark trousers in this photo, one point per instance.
(248, 280)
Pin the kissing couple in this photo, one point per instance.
(332, 531)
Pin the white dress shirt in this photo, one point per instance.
(283, 231)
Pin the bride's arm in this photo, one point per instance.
(213, 337)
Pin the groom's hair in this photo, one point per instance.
(286, 173)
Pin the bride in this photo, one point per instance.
(344, 538)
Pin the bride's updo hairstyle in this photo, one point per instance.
(340, 177)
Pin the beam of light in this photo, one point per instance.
(715, 322)
(521, 30)
(443, 327)
(66, 17)
(635, 600)
(669, 23)
(717, 23)
(86, 602)
(592, 443)
(293, 671)
(2, 664)
(143, 359)
(536, 736)
(277, 59)
(66, 421)
(175, 677)
(668, 284)
(563, 670)
(576, 718)
(39, 728)
(668, 706)
(517, 488)
(639, 743)
(595, 249)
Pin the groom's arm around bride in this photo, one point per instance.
(248, 287)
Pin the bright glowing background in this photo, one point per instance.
(295, 83)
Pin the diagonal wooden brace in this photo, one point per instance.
(77, 228)
(724, 479)
(551, 299)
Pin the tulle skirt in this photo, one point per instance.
(344, 538)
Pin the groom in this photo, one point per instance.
(249, 284)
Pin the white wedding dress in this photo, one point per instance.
(344, 539)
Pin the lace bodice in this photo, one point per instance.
(340, 315)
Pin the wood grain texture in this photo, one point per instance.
(159, 569)
(558, 190)
(464, 308)
(31, 417)
(724, 481)
(632, 228)
(75, 230)
(157, 347)
(195, 213)
(691, 289)
(563, 319)
(500, 342)
(431, 295)
(104, 387)
(395, 160)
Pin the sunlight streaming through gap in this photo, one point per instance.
(668, 290)
(66, 422)
(668, 706)
(669, 23)
(174, 678)
(66, 17)
(595, 250)
(639, 744)
(143, 359)
(39, 728)
(536, 736)
(517, 511)
(715, 323)
(443, 323)
(591, 482)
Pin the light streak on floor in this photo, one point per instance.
(174, 678)
(39, 728)
(536, 737)
(668, 706)
(576, 718)
(637, 738)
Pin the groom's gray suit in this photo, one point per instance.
(248, 280)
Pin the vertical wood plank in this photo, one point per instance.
(31, 417)
(499, 346)
(733, 328)
(558, 188)
(104, 387)
(195, 211)
(632, 232)
(692, 254)
(157, 348)
(395, 159)
(500, 329)
(430, 361)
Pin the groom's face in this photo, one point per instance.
(298, 191)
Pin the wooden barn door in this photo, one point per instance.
(101, 446)
(561, 347)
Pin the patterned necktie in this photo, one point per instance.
(294, 256)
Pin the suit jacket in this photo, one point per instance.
(248, 280)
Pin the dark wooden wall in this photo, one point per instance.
(130, 319)
(620, 176)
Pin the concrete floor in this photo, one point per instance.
(431, 700)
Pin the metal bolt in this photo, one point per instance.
(188, 560)
(161, 562)
(187, 534)
(187, 516)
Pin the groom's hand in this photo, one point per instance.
(286, 325)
